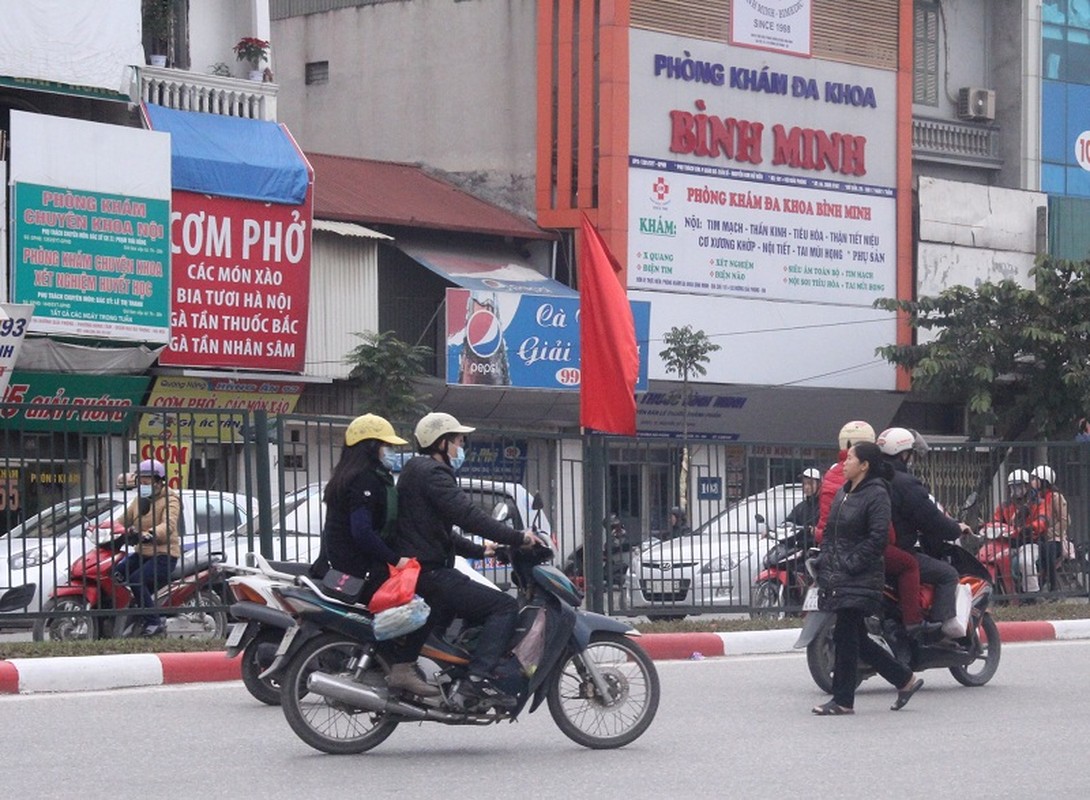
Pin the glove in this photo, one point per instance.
(132, 536)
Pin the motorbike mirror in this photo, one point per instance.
(759, 517)
(501, 511)
(970, 501)
(538, 503)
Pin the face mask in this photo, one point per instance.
(457, 459)
(391, 461)
(145, 490)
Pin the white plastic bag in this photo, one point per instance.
(962, 608)
(399, 620)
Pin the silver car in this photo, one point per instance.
(712, 568)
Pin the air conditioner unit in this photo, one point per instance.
(976, 104)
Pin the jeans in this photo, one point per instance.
(851, 644)
(1052, 552)
(145, 575)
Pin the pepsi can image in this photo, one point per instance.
(483, 361)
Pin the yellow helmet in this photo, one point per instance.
(371, 426)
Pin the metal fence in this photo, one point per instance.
(249, 482)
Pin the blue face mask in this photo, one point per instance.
(457, 459)
(145, 490)
(391, 461)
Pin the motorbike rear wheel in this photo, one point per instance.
(202, 617)
(256, 656)
(597, 722)
(767, 600)
(330, 725)
(983, 669)
(69, 621)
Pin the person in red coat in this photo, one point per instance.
(900, 566)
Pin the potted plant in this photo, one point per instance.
(156, 21)
(253, 50)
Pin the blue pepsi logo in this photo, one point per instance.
(484, 335)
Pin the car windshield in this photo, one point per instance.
(60, 519)
(741, 516)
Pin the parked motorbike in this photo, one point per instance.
(781, 585)
(996, 554)
(615, 559)
(94, 585)
(972, 660)
(601, 688)
(263, 618)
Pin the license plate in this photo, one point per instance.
(285, 642)
(237, 631)
(811, 601)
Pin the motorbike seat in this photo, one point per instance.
(439, 649)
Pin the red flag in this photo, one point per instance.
(610, 362)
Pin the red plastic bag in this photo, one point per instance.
(398, 589)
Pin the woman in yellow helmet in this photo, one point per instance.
(360, 522)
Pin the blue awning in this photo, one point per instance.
(232, 157)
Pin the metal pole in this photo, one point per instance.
(264, 476)
(594, 481)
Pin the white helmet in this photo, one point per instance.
(1018, 476)
(892, 441)
(1044, 473)
(854, 432)
(435, 425)
(811, 473)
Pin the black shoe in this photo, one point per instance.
(477, 691)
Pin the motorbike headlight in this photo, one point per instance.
(722, 564)
(35, 556)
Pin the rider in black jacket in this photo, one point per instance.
(430, 503)
(916, 516)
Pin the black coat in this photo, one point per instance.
(915, 515)
(850, 566)
(429, 504)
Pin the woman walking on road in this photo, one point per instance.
(850, 578)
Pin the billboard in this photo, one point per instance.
(241, 283)
(512, 339)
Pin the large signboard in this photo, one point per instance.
(54, 401)
(512, 339)
(205, 408)
(759, 175)
(93, 264)
(241, 293)
(90, 213)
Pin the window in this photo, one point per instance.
(317, 72)
(925, 55)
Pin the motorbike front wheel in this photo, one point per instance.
(767, 600)
(69, 621)
(325, 724)
(256, 657)
(987, 662)
(602, 722)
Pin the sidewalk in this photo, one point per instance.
(89, 673)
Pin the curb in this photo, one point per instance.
(93, 673)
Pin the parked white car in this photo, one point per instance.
(41, 550)
(714, 567)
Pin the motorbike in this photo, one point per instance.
(94, 585)
(600, 686)
(781, 584)
(262, 619)
(996, 554)
(972, 659)
(615, 558)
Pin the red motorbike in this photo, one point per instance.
(995, 554)
(781, 585)
(94, 585)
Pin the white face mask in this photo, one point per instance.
(145, 490)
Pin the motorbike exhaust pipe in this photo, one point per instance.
(359, 695)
